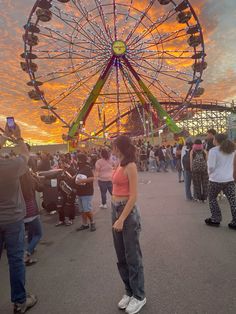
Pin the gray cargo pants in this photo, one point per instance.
(128, 251)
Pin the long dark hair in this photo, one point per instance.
(226, 146)
(127, 149)
(105, 154)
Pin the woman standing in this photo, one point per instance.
(126, 226)
(221, 169)
(103, 169)
(198, 165)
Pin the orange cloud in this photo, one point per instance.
(15, 101)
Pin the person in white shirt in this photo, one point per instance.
(152, 160)
(221, 169)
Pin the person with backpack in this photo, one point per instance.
(198, 166)
(185, 162)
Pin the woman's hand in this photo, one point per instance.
(118, 225)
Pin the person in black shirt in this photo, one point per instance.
(210, 138)
(161, 159)
(84, 186)
(67, 188)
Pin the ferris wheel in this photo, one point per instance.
(91, 62)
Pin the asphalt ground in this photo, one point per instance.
(190, 268)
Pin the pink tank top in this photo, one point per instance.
(120, 182)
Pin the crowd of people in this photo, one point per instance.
(23, 174)
(209, 173)
(207, 169)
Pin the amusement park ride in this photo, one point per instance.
(94, 63)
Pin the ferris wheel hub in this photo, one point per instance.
(119, 48)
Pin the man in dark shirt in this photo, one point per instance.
(161, 159)
(84, 181)
(210, 138)
(12, 213)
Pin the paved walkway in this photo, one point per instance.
(189, 267)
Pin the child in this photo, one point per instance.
(84, 186)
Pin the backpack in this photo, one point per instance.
(186, 161)
(199, 161)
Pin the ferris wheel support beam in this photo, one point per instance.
(154, 102)
(84, 112)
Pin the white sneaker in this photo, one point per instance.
(135, 305)
(103, 206)
(124, 302)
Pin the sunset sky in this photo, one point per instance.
(216, 17)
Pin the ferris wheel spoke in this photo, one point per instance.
(73, 87)
(158, 56)
(157, 85)
(79, 65)
(151, 80)
(169, 69)
(139, 66)
(175, 77)
(166, 40)
(66, 37)
(65, 73)
(162, 38)
(115, 19)
(59, 54)
(50, 36)
(127, 17)
(163, 55)
(83, 11)
(79, 30)
(153, 26)
(103, 19)
(160, 71)
(144, 14)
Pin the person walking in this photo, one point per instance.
(198, 166)
(103, 170)
(161, 164)
(126, 226)
(222, 170)
(12, 213)
(169, 158)
(152, 160)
